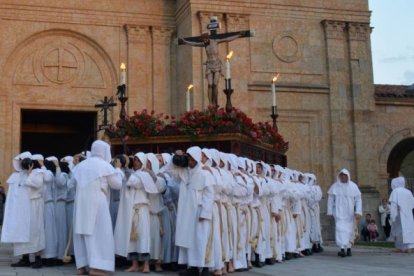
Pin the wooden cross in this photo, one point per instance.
(105, 105)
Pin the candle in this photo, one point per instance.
(274, 90)
(188, 97)
(123, 74)
(228, 57)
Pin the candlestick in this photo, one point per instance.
(123, 74)
(188, 97)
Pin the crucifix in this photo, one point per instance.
(105, 105)
(210, 41)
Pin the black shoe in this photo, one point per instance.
(58, 262)
(23, 262)
(309, 251)
(305, 252)
(192, 271)
(320, 248)
(205, 271)
(296, 255)
(49, 262)
(288, 256)
(348, 252)
(37, 263)
(342, 253)
(270, 261)
(315, 248)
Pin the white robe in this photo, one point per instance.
(344, 202)
(61, 180)
(402, 204)
(37, 228)
(50, 250)
(195, 201)
(17, 210)
(93, 235)
(134, 211)
(156, 207)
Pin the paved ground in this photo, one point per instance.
(365, 261)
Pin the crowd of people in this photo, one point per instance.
(202, 209)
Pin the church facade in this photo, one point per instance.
(64, 56)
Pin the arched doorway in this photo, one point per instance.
(401, 160)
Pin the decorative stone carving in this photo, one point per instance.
(287, 47)
(161, 35)
(137, 34)
(204, 18)
(236, 21)
(334, 29)
(358, 31)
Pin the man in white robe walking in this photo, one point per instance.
(345, 205)
(402, 222)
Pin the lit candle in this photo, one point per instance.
(123, 74)
(274, 90)
(228, 57)
(188, 97)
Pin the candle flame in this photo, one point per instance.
(229, 55)
(123, 66)
(190, 87)
(275, 78)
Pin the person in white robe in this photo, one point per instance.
(92, 227)
(61, 180)
(32, 180)
(345, 205)
(16, 223)
(304, 189)
(156, 207)
(169, 215)
(70, 198)
(401, 215)
(132, 230)
(50, 252)
(217, 250)
(292, 213)
(228, 211)
(315, 196)
(242, 197)
(277, 209)
(194, 213)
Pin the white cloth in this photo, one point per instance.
(402, 204)
(344, 202)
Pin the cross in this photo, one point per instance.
(210, 41)
(61, 64)
(105, 105)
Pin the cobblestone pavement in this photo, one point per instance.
(365, 261)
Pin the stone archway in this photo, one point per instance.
(55, 70)
(395, 150)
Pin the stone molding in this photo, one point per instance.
(137, 33)
(236, 21)
(161, 36)
(358, 31)
(334, 29)
(389, 145)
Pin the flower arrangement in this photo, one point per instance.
(211, 121)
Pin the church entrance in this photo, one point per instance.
(401, 159)
(58, 133)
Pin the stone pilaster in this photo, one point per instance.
(139, 67)
(363, 101)
(161, 96)
(340, 98)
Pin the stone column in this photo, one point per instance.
(139, 68)
(361, 77)
(161, 96)
(340, 98)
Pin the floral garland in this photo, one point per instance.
(211, 121)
